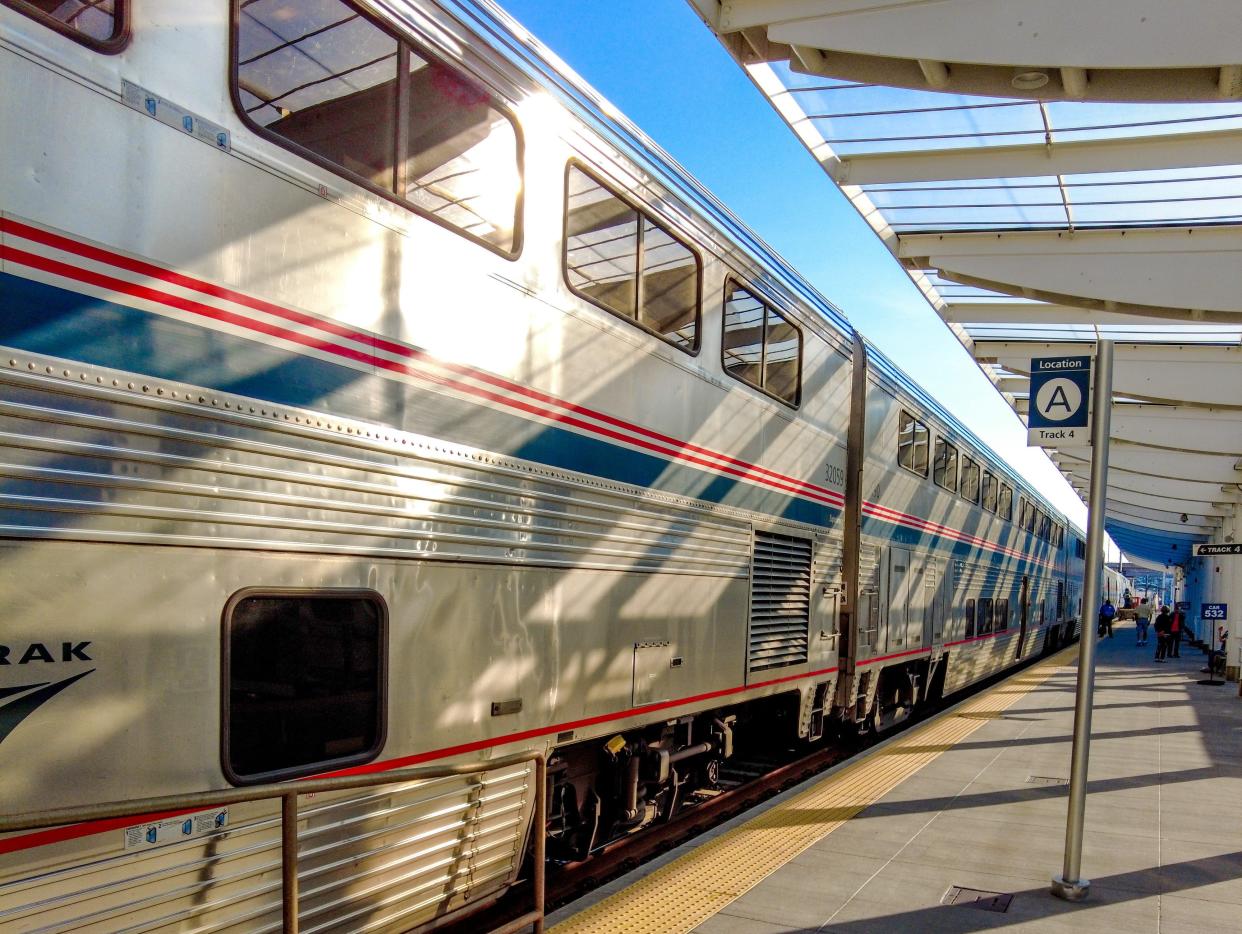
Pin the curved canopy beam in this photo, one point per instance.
(1171, 267)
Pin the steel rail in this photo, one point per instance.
(288, 793)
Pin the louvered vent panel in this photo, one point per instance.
(780, 601)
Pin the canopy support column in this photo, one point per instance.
(1070, 885)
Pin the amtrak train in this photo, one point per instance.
(374, 395)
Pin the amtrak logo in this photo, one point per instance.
(26, 699)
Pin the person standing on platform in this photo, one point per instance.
(1162, 626)
(1176, 620)
(1107, 613)
(1142, 619)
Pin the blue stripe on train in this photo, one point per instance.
(45, 319)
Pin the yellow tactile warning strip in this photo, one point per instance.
(679, 897)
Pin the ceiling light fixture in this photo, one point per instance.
(1031, 80)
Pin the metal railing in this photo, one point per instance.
(288, 793)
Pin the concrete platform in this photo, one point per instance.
(1163, 842)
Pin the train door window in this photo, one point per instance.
(989, 491)
(322, 78)
(760, 346)
(984, 618)
(619, 258)
(970, 619)
(912, 442)
(970, 479)
(1004, 502)
(99, 24)
(944, 469)
(303, 682)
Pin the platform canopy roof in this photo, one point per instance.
(1049, 174)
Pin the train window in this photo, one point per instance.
(970, 619)
(461, 154)
(619, 258)
(970, 479)
(760, 346)
(989, 491)
(1004, 502)
(323, 79)
(1032, 517)
(304, 682)
(1045, 527)
(1000, 614)
(984, 625)
(944, 469)
(912, 441)
(100, 24)
(1080, 548)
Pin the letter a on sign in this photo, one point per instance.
(1059, 402)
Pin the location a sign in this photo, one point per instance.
(1214, 611)
(1059, 403)
(1205, 551)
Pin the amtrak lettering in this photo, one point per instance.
(38, 652)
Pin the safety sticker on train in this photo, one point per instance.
(172, 829)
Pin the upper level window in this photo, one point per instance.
(323, 79)
(624, 261)
(303, 682)
(912, 443)
(1032, 517)
(100, 24)
(989, 491)
(970, 479)
(1004, 502)
(760, 346)
(944, 466)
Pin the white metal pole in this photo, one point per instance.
(1070, 885)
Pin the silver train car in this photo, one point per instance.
(373, 395)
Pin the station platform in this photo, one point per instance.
(975, 799)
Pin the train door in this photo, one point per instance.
(1024, 613)
(932, 580)
(899, 574)
(922, 601)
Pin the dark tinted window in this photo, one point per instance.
(623, 260)
(1000, 613)
(319, 75)
(304, 681)
(989, 491)
(970, 479)
(760, 346)
(97, 23)
(912, 444)
(944, 469)
(985, 616)
(1004, 502)
(970, 619)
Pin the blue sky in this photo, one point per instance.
(664, 69)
